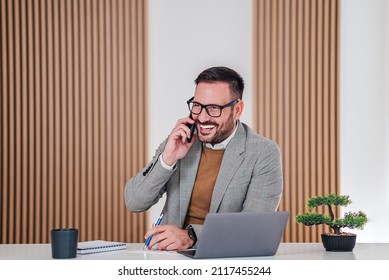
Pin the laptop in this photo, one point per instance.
(243, 234)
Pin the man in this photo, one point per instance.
(225, 167)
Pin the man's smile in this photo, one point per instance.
(206, 128)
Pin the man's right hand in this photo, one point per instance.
(176, 147)
(169, 237)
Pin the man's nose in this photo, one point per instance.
(203, 117)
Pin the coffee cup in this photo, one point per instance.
(64, 243)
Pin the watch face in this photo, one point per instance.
(192, 234)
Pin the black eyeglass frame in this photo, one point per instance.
(232, 103)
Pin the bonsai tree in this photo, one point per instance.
(350, 220)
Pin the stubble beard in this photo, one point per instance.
(222, 132)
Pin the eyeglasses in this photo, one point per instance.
(213, 110)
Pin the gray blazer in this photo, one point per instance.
(249, 179)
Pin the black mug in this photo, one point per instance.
(64, 243)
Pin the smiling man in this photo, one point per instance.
(225, 167)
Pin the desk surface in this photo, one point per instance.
(286, 251)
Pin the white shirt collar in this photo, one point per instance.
(222, 145)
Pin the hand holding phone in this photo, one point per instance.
(179, 142)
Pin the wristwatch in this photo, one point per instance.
(192, 234)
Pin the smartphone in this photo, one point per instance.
(192, 130)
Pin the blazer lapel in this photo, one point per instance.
(232, 159)
(188, 171)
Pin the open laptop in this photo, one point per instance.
(243, 234)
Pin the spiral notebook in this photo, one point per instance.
(99, 246)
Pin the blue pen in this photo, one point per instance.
(157, 223)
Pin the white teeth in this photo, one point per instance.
(207, 126)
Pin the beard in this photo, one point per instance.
(222, 131)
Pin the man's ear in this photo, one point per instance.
(239, 109)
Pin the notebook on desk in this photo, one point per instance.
(243, 234)
(99, 246)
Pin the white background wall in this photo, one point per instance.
(187, 36)
(364, 112)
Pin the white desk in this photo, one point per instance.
(286, 251)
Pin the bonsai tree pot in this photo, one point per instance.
(339, 243)
(336, 240)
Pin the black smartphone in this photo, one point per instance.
(192, 130)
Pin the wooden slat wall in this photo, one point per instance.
(73, 117)
(296, 70)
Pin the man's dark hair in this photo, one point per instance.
(223, 74)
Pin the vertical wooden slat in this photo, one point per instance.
(121, 136)
(134, 97)
(64, 191)
(84, 206)
(312, 106)
(336, 98)
(38, 124)
(287, 159)
(102, 118)
(70, 109)
(96, 112)
(31, 209)
(50, 116)
(281, 30)
(89, 187)
(109, 97)
(58, 143)
(296, 98)
(114, 112)
(44, 120)
(306, 111)
(318, 188)
(280, 74)
(273, 93)
(128, 98)
(18, 122)
(266, 106)
(137, 62)
(293, 122)
(24, 187)
(77, 118)
(326, 96)
(300, 108)
(4, 122)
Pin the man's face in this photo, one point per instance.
(215, 129)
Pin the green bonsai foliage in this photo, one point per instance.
(350, 219)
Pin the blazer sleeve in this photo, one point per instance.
(145, 189)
